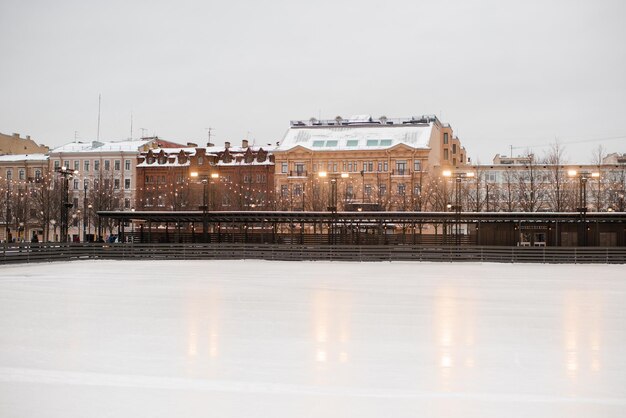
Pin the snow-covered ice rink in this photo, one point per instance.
(312, 339)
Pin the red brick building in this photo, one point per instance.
(237, 178)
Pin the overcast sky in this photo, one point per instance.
(503, 74)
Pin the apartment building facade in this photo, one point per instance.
(228, 178)
(361, 163)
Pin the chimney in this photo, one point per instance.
(227, 144)
(244, 143)
(16, 135)
(28, 137)
(192, 144)
(210, 144)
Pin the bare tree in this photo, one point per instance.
(556, 176)
(530, 185)
(597, 187)
(507, 194)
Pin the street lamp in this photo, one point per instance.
(333, 199)
(85, 212)
(54, 229)
(333, 188)
(205, 202)
(89, 207)
(66, 173)
(458, 177)
(583, 177)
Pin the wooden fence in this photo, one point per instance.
(46, 252)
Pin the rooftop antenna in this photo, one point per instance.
(99, 102)
(75, 137)
(511, 147)
(143, 132)
(209, 129)
(131, 125)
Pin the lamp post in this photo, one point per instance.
(332, 199)
(85, 213)
(66, 173)
(89, 207)
(205, 202)
(54, 229)
(583, 178)
(458, 178)
(8, 214)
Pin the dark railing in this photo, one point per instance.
(46, 252)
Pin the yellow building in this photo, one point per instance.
(14, 144)
(362, 163)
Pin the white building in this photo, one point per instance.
(106, 166)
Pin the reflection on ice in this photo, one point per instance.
(337, 339)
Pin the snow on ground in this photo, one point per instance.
(311, 339)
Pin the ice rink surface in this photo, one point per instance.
(312, 339)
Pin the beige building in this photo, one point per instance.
(14, 144)
(362, 163)
(21, 178)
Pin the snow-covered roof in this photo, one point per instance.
(95, 146)
(23, 157)
(357, 134)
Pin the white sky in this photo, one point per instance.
(502, 73)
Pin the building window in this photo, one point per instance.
(247, 178)
(284, 190)
(116, 183)
(367, 190)
(445, 154)
(445, 138)
(57, 164)
(401, 189)
(350, 166)
(76, 184)
(86, 165)
(370, 166)
(283, 168)
(417, 166)
(127, 165)
(297, 190)
(300, 169)
(76, 165)
(386, 166)
(22, 174)
(417, 190)
(349, 191)
(96, 165)
(453, 148)
(117, 165)
(37, 174)
(107, 165)
(401, 167)
(126, 203)
(127, 184)
(9, 175)
(382, 189)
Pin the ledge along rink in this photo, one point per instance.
(328, 339)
